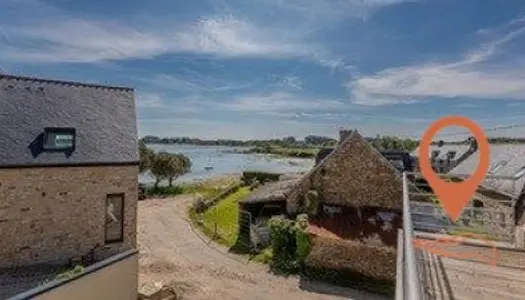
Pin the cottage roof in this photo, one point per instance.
(103, 116)
(507, 161)
(271, 192)
(369, 178)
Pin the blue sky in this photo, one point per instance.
(273, 68)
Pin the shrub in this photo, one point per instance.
(199, 206)
(290, 243)
(164, 191)
(248, 177)
(283, 245)
(311, 203)
(302, 239)
(70, 272)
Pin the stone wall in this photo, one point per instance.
(355, 174)
(377, 262)
(53, 214)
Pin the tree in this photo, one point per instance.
(289, 141)
(178, 164)
(145, 156)
(169, 166)
(315, 140)
(159, 167)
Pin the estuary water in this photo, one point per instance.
(213, 161)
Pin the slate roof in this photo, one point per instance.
(505, 160)
(104, 118)
(271, 192)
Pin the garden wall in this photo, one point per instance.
(376, 262)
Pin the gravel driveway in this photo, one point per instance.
(173, 254)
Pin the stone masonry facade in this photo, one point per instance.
(52, 214)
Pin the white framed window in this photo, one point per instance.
(114, 229)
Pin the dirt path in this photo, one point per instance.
(173, 254)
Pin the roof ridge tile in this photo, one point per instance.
(63, 82)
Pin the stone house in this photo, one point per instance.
(360, 197)
(68, 172)
(353, 183)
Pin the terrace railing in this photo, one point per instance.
(491, 216)
(409, 273)
(488, 214)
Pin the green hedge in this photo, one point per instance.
(351, 279)
(248, 177)
(164, 191)
(290, 244)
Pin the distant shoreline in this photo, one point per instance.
(278, 151)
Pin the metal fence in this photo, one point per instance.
(491, 216)
(409, 272)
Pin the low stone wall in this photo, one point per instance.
(377, 262)
(201, 205)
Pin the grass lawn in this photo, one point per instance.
(209, 189)
(222, 218)
(473, 232)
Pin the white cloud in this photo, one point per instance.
(334, 9)
(469, 77)
(195, 84)
(281, 102)
(292, 81)
(149, 100)
(229, 36)
(53, 36)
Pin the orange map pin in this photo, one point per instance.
(454, 196)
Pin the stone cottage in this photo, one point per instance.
(360, 197)
(353, 176)
(68, 170)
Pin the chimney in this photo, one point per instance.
(344, 134)
(473, 144)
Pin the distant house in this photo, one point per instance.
(68, 184)
(445, 157)
(500, 194)
(507, 185)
